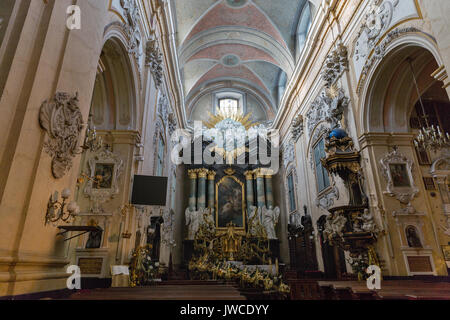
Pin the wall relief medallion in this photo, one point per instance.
(381, 15)
(329, 106)
(105, 169)
(397, 170)
(154, 60)
(335, 65)
(62, 120)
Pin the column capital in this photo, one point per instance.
(192, 174)
(248, 175)
(202, 173)
(211, 175)
(259, 173)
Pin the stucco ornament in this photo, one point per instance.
(375, 22)
(328, 106)
(62, 120)
(167, 227)
(397, 170)
(154, 60)
(288, 154)
(132, 17)
(105, 169)
(297, 127)
(334, 226)
(335, 65)
(192, 222)
(326, 200)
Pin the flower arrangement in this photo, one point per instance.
(143, 269)
(202, 268)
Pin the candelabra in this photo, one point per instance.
(61, 211)
(432, 138)
(429, 137)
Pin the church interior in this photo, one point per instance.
(224, 149)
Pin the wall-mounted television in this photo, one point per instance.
(149, 191)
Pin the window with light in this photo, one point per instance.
(323, 180)
(229, 105)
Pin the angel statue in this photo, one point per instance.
(270, 219)
(193, 222)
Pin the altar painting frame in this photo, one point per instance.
(243, 215)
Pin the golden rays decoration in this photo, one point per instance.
(233, 115)
(332, 91)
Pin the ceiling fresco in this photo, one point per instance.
(247, 45)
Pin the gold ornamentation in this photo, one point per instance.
(249, 175)
(202, 173)
(229, 171)
(211, 175)
(192, 174)
(233, 115)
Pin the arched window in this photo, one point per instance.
(304, 24)
(282, 81)
(322, 178)
(229, 105)
(291, 192)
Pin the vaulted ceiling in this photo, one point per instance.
(237, 44)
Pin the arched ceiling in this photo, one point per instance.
(247, 43)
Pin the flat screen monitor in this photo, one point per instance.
(149, 191)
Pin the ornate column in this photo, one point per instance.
(260, 193)
(269, 188)
(201, 196)
(193, 189)
(249, 185)
(211, 179)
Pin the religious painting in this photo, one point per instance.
(399, 174)
(229, 202)
(103, 175)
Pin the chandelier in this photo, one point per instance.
(429, 137)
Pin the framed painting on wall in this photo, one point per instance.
(230, 203)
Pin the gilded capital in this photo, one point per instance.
(248, 175)
(211, 175)
(259, 173)
(192, 174)
(202, 173)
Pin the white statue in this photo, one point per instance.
(295, 219)
(368, 223)
(334, 226)
(270, 219)
(193, 222)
